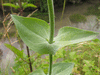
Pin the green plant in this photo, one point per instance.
(43, 6)
(24, 5)
(77, 18)
(63, 9)
(17, 6)
(39, 37)
(0, 70)
(85, 55)
(43, 16)
(93, 10)
(88, 70)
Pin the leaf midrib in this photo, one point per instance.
(30, 30)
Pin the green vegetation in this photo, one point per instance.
(93, 10)
(35, 33)
(43, 16)
(43, 6)
(75, 18)
(38, 35)
(85, 55)
(17, 6)
(11, 34)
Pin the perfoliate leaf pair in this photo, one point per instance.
(58, 69)
(35, 33)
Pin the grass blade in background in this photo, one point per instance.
(15, 50)
(25, 5)
(11, 5)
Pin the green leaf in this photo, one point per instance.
(34, 33)
(11, 5)
(38, 72)
(62, 68)
(25, 5)
(15, 50)
(70, 35)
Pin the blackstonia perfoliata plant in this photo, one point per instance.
(38, 35)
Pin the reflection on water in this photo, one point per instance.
(8, 55)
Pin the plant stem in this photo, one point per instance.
(21, 13)
(21, 10)
(10, 6)
(30, 64)
(51, 20)
(19, 40)
(63, 9)
(50, 64)
(2, 8)
(52, 29)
